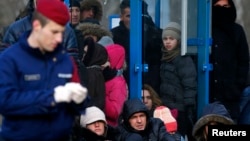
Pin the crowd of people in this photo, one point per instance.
(64, 77)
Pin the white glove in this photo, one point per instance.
(79, 93)
(61, 94)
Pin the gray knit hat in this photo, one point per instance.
(92, 114)
(173, 29)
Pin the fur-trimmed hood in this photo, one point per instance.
(88, 4)
(93, 29)
(215, 112)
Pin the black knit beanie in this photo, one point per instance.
(74, 3)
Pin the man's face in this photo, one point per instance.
(138, 121)
(125, 17)
(88, 13)
(74, 14)
(97, 127)
(49, 36)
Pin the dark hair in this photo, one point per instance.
(90, 43)
(74, 3)
(124, 4)
(95, 5)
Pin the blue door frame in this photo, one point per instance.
(135, 49)
(204, 35)
(203, 42)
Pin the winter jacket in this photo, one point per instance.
(16, 29)
(28, 78)
(94, 58)
(116, 88)
(121, 36)
(230, 59)
(86, 29)
(178, 83)
(155, 129)
(151, 51)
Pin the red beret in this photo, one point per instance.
(55, 10)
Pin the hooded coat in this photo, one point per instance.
(155, 129)
(230, 58)
(94, 58)
(214, 112)
(96, 5)
(116, 88)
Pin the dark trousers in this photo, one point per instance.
(185, 125)
(245, 107)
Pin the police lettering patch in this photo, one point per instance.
(62, 75)
(32, 77)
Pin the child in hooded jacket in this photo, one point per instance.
(115, 86)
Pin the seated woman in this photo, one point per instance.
(152, 100)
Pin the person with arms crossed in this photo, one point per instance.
(40, 93)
